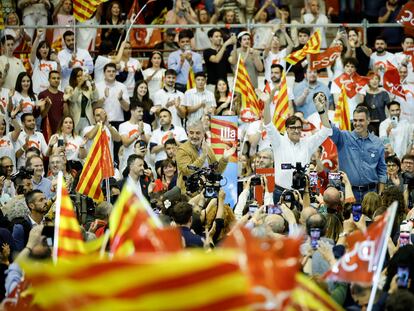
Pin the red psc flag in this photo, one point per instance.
(392, 81)
(406, 15)
(363, 257)
(353, 84)
(325, 59)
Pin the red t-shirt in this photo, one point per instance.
(55, 113)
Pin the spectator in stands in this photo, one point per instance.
(407, 163)
(171, 98)
(198, 153)
(39, 182)
(141, 97)
(305, 91)
(8, 168)
(363, 163)
(273, 54)
(114, 16)
(337, 68)
(10, 66)
(130, 70)
(184, 59)
(229, 18)
(237, 6)
(154, 73)
(42, 63)
(58, 163)
(199, 101)
(168, 43)
(85, 37)
(295, 149)
(315, 16)
(378, 59)
(29, 138)
(168, 176)
(7, 140)
(251, 57)
(276, 72)
(399, 131)
(394, 177)
(222, 96)
(67, 142)
(182, 14)
(357, 49)
(81, 96)
(113, 96)
(182, 215)
(62, 16)
(166, 131)
(22, 41)
(404, 57)
(55, 106)
(70, 58)
(261, 35)
(407, 103)
(299, 68)
(216, 57)
(101, 119)
(34, 14)
(135, 173)
(376, 99)
(133, 130)
(388, 14)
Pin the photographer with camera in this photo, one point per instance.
(291, 148)
(198, 154)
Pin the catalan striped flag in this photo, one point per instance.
(308, 296)
(244, 86)
(84, 9)
(1, 17)
(313, 46)
(57, 44)
(68, 237)
(190, 79)
(342, 116)
(134, 227)
(183, 281)
(282, 105)
(98, 165)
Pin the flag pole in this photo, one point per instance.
(234, 82)
(57, 217)
(376, 279)
(108, 190)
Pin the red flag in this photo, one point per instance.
(392, 81)
(410, 54)
(406, 16)
(271, 265)
(353, 84)
(325, 59)
(362, 260)
(329, 154)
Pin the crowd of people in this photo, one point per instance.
(54, 104)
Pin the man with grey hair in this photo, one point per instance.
(196, 152)
(265, 158)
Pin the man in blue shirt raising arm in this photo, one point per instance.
(361, 155)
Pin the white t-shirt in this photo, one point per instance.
(7, 148)
(28, 104)
(72, 146)
(36, 140)
(162, 97)
(111, 104)
(400, 57)
(322, 19)
(129, 129)
(156, 82)
(4, 98)
(192, 97)
(159, 137)
(100, 63)
(407, 105)
(40, 77)
(274, 58)
(381, 62)
(133, 65)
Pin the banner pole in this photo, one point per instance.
(234, 83)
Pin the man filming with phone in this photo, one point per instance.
(291, 148)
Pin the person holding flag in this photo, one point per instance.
(292, 148)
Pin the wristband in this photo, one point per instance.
(321, 112)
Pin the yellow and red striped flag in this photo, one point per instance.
(68, 237)
(84, 9)
(245, 87)
(308, 296)
(342, 116)
(98, 165)
(191, 79)
(1, 17)
(134, 227)
(282, 105)
(182, 281)
(313, 46)
(57, 44)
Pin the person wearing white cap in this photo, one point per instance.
(250, 57)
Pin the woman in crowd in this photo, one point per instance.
(168, 178)
(394, 177)
(142, 96)
(130, 70)
(42, 63)
(62, 16)
(7, 140)
(376, 99)
(359, 51)
(81, 94)
(22, 39)
(154, 73)
(223, 98)
(337, 68)
(66, 141)
(113, 17)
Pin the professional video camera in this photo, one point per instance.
(299, 175)
(204, 177)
